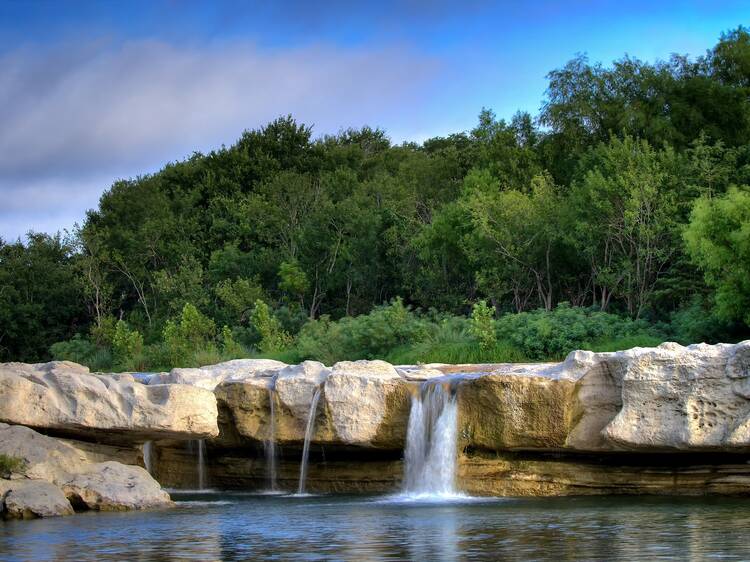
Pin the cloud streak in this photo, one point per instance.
(72, 116)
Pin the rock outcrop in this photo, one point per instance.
(106, 486)
(65, 398)
(29, 499)
(594, 423)
(211, 376)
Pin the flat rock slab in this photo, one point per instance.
(66, 398)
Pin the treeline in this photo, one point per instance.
(626, 199)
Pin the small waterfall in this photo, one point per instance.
(148, 456)
(308, 436)
(269, 444)
(430, 455)
(201, 464)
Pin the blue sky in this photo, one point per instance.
(94, 91)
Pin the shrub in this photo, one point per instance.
(127, 344)
(83, 351)
(182, 338)
(543, 335)
(272, 336)
(9, 465)
(483, 325)
(369, 336)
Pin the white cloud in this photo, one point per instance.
(76, 116)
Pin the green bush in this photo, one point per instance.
(550, 335)
(369, 336)
(127, 346)
(272, 335)
(9, 465)
(83, 351)
(191, 332)
(483, 325)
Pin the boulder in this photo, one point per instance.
(105, 485)
(368, 404)
(111, 486)
(211, 376)
(66, 398)
(28, 499)
(295, 386)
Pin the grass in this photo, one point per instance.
(9, 465)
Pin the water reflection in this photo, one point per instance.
(224, 526)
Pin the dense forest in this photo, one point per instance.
(617, 216)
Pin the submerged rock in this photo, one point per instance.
(65, 397)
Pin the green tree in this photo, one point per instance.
(718, 241)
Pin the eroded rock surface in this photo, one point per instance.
(29, 499)
(105, 485)
(66, 398)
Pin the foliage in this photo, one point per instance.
(272, 336)
(718, 240)
(483, 325)
(9, 465)
(192, 331)
(608, 199)
(541, 334)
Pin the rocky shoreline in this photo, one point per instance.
(665, 420)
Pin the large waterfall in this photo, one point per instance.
(270, 443)
(308, 436)
(430, 455)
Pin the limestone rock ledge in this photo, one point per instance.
(65, 398)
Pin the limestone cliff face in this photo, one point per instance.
(636, 421)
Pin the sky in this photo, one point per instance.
(95, 91)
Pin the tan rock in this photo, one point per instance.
(105, 485)
(111, 486)
(685, 398)
(210, 376)
(66, 398)
(368, 404)
(28, 499)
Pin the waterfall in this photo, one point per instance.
(308, 436)
(201, 464)
(148, 454)
(430, 455)
(269, 444)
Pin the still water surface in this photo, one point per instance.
(225, 526)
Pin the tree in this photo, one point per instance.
(624, 209)
(517, 234)
(41, 298)
(718, 241)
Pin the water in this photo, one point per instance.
(232, 527)
(270, 444)
(308, 436)
(148, 462)
(430, 454)
(201, 464)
